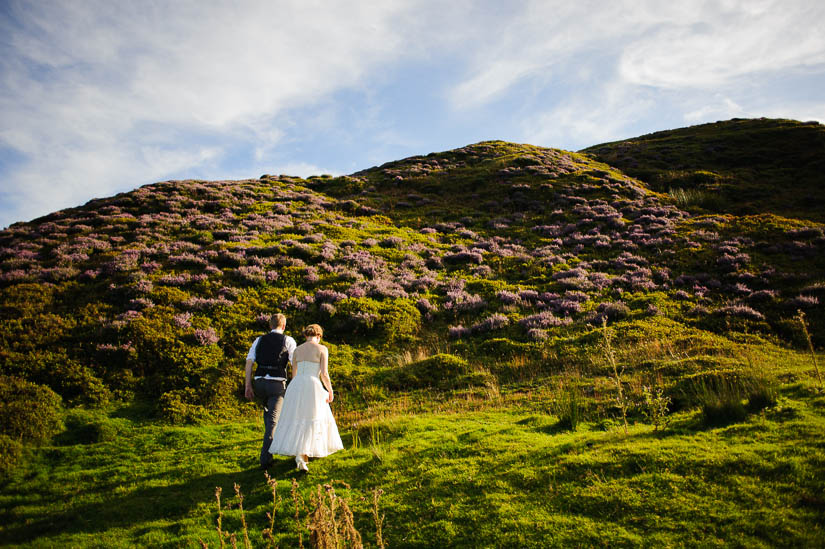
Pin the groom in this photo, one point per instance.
(272, 351)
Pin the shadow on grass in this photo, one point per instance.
(144, 505)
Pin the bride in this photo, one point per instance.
(306, 427)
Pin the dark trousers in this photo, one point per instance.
(270, 393)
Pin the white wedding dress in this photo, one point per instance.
(306, 426)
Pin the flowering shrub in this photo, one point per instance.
(544, 319)
(465, 256)
(206, 336)
(741, 311)
(493, 322)
(802, 302)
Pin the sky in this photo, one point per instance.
(101, 97)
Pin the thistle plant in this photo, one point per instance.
(298, 501)
(378, 518)
(268, 534)
(656, 403)
(218, 491)
(246, 542)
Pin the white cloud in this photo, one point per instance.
(97, 97)
(666, 45)
(712, 46)
(599, 114)
(300, 169)
(722, 108)
(102, 96)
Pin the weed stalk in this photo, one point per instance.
(269, 534)
(610, 356)
(218, 491)
(800, 316)
(246, 543)
(379, 519)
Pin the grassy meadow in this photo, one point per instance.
(497, 467)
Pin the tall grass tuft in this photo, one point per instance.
(721, 400)
(568, 406)
(298, 502)
(687, 197)
(760, 388)
(800, 317)
(218, 491)
(328, 518)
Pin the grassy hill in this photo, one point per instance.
(738, 166)
(511, 328)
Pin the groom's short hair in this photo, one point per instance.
(277, 320)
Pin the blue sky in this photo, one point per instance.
(100, 97)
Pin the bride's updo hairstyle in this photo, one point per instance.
(313, 330)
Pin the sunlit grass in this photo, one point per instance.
(464, 471)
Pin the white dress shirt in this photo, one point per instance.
(290, 347)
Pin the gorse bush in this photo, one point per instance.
(10, 452)
(182, 406)
(28, 411)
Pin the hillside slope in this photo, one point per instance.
(491, 250)
(738, 166)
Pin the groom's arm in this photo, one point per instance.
(250, 394)
(250, 360)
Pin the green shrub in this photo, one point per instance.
(164, 360)
(442, 371)
(394, 321)
(655, 406)
(10, 452)
(28, 411)
(84, 428)
(180, 406)
(78, 385)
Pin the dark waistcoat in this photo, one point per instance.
(271, 355)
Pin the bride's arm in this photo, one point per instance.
(293, 362)
(324, 373)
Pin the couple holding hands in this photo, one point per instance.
(297, 418)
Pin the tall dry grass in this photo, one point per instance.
(327, 520)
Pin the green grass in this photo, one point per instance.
(493, 473)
